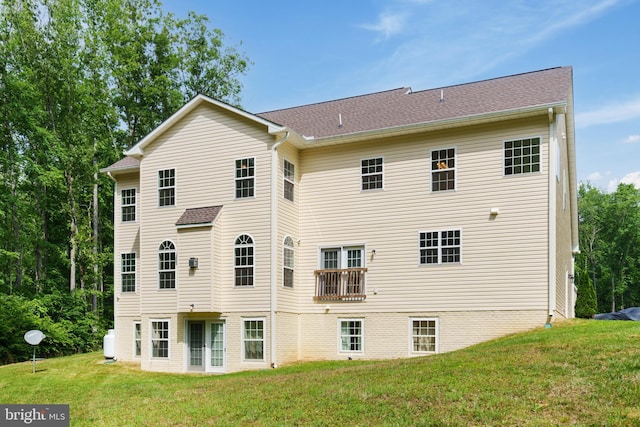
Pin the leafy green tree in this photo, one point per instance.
(586, 303)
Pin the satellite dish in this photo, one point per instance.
(34, 337)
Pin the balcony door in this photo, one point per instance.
(342, 257)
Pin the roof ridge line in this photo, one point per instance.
(489, 79)
(405, 88)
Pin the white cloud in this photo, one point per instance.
(632, 178)
(631, 139)
(594, 176)
(610, 113)
(612, 185)
(451, 42)
(388, 24)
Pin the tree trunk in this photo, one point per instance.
(74, 232)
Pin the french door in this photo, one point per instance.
(206, 345)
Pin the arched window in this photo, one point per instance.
(287, 262)
(167, 265)
(244, 261)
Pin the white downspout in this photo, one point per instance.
(552, 218)
(274, 247)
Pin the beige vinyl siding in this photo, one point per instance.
(126, 240)
(503, 257)
(196, 284)
(288, 223)
(224, 138)
(564, 258)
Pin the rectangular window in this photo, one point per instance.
(128, 272)
(128, 205)
(287, 263)
(245, 178)
(253, 339)
(440, 247)
(167, 187)
(443, 169)
(351, 335)
(522, 156)
(160, 338)
(289, 174)
(424, 335)
(137, 339)
(372, 173)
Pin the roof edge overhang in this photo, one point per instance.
(137, 151)
(115, 171)
(516, 113)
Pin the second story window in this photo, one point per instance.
(167, 265)
(443, 169)
(244, 261)
(128, 272)
(245, 178)
(372, 173)
(167, 187)
(289, 174)
(522, 156)
(128, 205)
(440, 247)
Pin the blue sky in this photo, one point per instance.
(312, 51)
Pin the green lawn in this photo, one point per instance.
(577, 373)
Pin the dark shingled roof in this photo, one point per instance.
(400, 107)
(199, 216)
(123, 164)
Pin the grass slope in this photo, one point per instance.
(577, 373)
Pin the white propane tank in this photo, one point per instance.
(109, 344)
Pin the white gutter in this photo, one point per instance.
(552, 217)
(274, 246)
(474, 119)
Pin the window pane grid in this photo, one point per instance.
(166, 187)
(138, 338)
(254, 339)
(128, 272)
(243, 256)
(443, 163)
(287, 262)
(128, 205)
(245, 178)
(372, 173)
(167, 266)
(522, 156)
(160, 339)
(289, 178)
(424, 335)
(440, 247)
(351, 335)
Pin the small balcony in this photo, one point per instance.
(346, 284)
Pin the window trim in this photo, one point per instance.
(285, 267)
(288, 180)
(341, 350)
(152, 339)
(134, 273)
(453, 169)
(137, 339)
(368, 174)
(175, 268)
(440, 246)
(251, 245)
(237, 179)
(412, 351)
(540, 154)
(133, 205)
(244, 340)
(174, 187)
